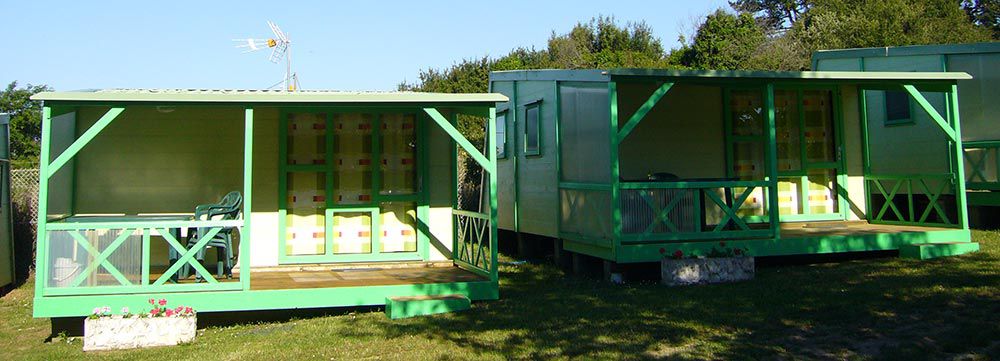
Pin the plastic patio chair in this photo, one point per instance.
(229, 208)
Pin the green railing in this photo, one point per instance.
(911, 199)
(982, 165)
(585, 213)
(115, 257)
(474, 248)
(684, 211)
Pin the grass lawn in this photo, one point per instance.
(885, 308)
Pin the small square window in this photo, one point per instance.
(500, 127)
(532, 130)
(897, 108)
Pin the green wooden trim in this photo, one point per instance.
(933, 113)
(458, 137)
(236, 300)
(246, 231)
(616, 207)
(41, 237)
(493, 179)
(69, 226)
(503, 146)
(129, 291)
(772, 161)
(588, 186)
(423, 177)
(959, 171)
(644, 109)
(99, 260)
(85, 138)
(187, 255)
(145, 256)
(629, 239)
(689, 185)
(402, 307)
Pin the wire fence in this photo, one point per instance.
(24, 205)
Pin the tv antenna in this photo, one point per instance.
(280, 48)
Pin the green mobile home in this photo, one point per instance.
(327, 199)
(980, 105)
(630, 164)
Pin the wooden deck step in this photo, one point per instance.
(934, 250)
(403, 307)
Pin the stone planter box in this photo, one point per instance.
(110, 333)
(689, 271)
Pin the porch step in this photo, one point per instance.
(403, 307)
(934, 250)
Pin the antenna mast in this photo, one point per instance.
(280, 48)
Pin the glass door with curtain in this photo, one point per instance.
(350, 187)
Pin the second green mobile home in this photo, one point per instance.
(630, 164)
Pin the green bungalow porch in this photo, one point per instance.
(348, 199)
(644, 163)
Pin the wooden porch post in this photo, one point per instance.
(772, 162)
(959, 155)
(41, 267)
(491, 149)
(247, 197)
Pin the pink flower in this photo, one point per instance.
(163, 302)
(678, 254)
(97, 310)
(125, 310)
(169, 313)
(188, 310)
(154, 311)
(152, 301)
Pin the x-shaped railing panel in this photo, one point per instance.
(100, 258)
(188, 255)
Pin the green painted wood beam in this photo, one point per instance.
(933, 113)
(459, 138)
(646, 107)
(85, 138)
(404, 307)
(245, 233)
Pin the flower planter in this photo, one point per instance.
(689, 271)
(109, 333)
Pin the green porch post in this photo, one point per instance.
(772, 163)
(42, 244)
(616, 209)
(494, 234)
(245, 236)
(960, 195)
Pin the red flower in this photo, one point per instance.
(163, 302)
(678, 254)
(152, 301)
(169, 313)
(662, 251)
(738, 251)
(188, 310)
(154, 311)
(179, 309)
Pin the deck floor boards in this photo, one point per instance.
(360, 277)
(842, 228)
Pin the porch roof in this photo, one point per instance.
(733, 75)
(265, 96)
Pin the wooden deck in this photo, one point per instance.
(277, 280)
(847, 228)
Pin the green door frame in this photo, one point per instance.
(839, 164)
(420, 197)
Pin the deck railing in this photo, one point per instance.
(674, 211)
(115, 257)
(913, 199)
(982, 165)
(474, 247)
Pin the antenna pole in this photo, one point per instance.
(289, 86)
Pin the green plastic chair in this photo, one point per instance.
(229, 208)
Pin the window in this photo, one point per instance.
(532, 130)
(897, 108)
(501, 130)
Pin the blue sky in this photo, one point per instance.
(370, 45)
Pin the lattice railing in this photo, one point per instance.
(982, 165)
(668, 211)
(474, 246)
(116, 257)
(911, 199)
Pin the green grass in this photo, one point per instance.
(885, 308)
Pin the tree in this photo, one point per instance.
(725, 41)
(25, 122)
(773, 14)
(985, 14)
